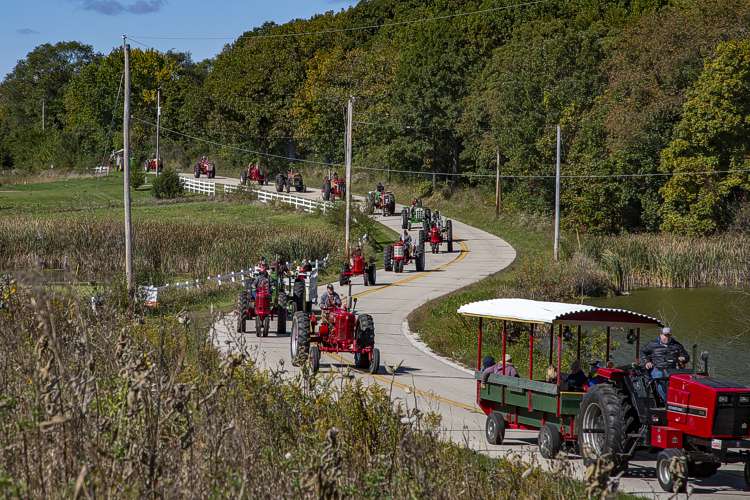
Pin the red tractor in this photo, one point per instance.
(262, 302)
(153, 165)
(357, 266)
(204, 167)
(398, 255)
(339, 329)
(334, 188)
(253, 173)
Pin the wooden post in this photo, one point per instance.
(126, 171)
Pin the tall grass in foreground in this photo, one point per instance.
(93, 248)
(104, 405)
(662, 260)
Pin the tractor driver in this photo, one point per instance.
(662, 355)
(380, 187)
(261, 279)
(328, 301)
(406, 238)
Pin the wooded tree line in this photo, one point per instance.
(642, 89)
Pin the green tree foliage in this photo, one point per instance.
(437, 95)
(166, 185)
(712, 136)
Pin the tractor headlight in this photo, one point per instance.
(723, 399)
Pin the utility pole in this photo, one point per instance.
(158, 123)
(43, 120)
(498, 190)
(557, 198)
(126, 169)
(348, 161)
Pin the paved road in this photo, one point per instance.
(437, 384)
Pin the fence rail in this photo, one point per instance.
(298, 202)
(101, 170)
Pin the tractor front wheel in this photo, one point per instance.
(315, 358)
(671, 470)
(374, 365)
(550, 441)
(494, 428)
(388, 258)
(299, 340)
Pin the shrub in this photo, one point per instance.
(167, 185)
(137, 177)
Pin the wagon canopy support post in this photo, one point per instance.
(531, 363)
(578, 356)
(479, 345)
(637, 345)
(609, 340)
(559, 363)
(505, 346)
(551, 342)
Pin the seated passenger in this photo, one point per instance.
(551, 375)
(577, 380)
(497, 369)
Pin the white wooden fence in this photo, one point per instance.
(101, 170)
(210, 188)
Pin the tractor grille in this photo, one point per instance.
(732, 415)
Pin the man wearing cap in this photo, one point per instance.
(328, 301)
(661, 355)
(497, 369)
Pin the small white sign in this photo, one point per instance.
(716, 444)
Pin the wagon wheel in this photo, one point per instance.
(550, 441)
(494, 428)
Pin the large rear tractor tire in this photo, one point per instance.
(605, 420)
(419, 259)
(327, 190)
(299, 340)
(668, 473)
(371, 272)
(343, 278)
(197, 173)
(298, 292)
(243, 178)
(494, 428)
(427, 221)
(361, 360)
(422, 237)
(404, 218)
(281, 327)
(550, 441)
(279, 183)
(240, 322)
(388, 258)
(365, 331)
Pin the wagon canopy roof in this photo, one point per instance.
(533, 311)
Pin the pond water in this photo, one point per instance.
(717, 319)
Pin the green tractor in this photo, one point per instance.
(416, 216)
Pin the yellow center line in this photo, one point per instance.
(458, 258)
(385, 380)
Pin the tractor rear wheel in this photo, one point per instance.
(281, 328)
(279, 183)
(243, 178)
(258, 327)
(449, 230)
(494, 428)
(669, 474)
(327, 190)
(404, 218)
(421, 239)
(550, 441)
(388, 258)
(240, 322)
(298, 291)
(605, 419)
(197, 173)
(343, 278)
(747, 473)
(299, 340)
(365, 331)
(371, 274)
(374, 365)
(315, 358)
(419, 260)
(427, 221)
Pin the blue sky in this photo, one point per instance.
(101, 23)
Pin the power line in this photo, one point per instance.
(345, 30)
